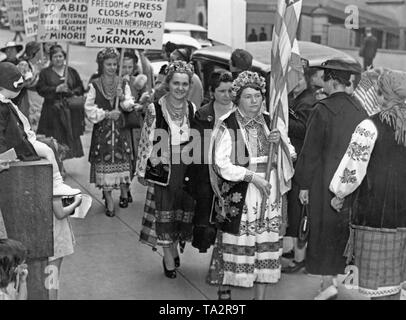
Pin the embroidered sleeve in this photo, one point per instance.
(354, 164)
(146, 142)
(222, 159)
(128, 98)
(93, 112)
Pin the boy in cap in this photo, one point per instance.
(241, 60)
(15, 130)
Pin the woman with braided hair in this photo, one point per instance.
(110, 153)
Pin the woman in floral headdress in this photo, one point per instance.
(110, 159)
(374, 165)
(251, 248)
(161, 153)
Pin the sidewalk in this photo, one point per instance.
(110, 263)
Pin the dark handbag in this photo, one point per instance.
(158, 174)
(303, 234)
(133, 120)
(75, 102)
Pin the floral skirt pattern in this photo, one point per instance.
(109, 176)
(253, 256)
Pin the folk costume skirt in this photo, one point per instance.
(380, 255)
(174, 209)
(253, 256)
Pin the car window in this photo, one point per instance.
(200, 35)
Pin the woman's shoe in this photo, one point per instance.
(177, 262)
(110, 213)
(329, 293)
(123, 202)
(224, 294)
(171, 274)
(130, 198)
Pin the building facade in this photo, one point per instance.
(322, 21)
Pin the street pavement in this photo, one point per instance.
(109, 261)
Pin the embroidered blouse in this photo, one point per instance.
(96, 114)
(179, 133)
(354, 164)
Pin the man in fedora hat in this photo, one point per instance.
(329, 131)
(12, 49)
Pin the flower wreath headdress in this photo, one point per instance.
(107, 53)
(180, 67)
(245, 79)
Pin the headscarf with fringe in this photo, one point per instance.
(392, 84)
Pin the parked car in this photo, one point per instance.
(192, 30)
(216, 58)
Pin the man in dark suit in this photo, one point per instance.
(368, 48)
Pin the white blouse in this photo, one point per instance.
(96, 114)
(354, 164)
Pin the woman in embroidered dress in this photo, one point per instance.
(165, 133)
(110, 158)
(65, 125)
(374, 165)
(251, 249)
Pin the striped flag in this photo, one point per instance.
(285, 54)
(366, 93)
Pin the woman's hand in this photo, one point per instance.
(145, 98)
(262, 185)
(113, 115)
(337, 203)
(78, 200)
(63, 87)
(120, 93)
(142, 181)
(304, 197)
(275, 136)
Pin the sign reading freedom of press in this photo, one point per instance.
(15, 15)
(62, 20)
(30, 12)
(126, 24)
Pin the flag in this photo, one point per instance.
(285, 56)
(366, 93)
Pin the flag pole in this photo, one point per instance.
(120, 72)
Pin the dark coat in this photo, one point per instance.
(198, 184)
(12, 134)
(300, 110)
(329, 132)
(369, 47)
(57, 121)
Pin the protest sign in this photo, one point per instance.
(62, 20)
(30, 14)
(15, 15)
(126, 24)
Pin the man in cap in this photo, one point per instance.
(241, 60)
(368, 48)
(329, 131)
(15, 130)
(11, 50)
